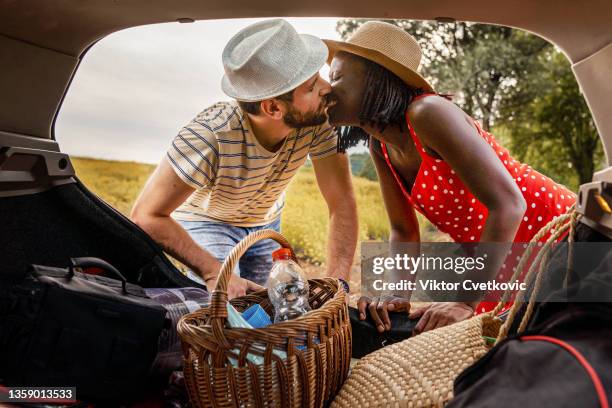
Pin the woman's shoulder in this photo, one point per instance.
(433, 110)
(429, 104)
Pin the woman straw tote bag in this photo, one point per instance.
(305, 361)
(419, 371)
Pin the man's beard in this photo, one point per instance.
(296, 120)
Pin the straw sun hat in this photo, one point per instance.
(388, 46)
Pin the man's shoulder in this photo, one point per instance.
(324, 132)
(315, 131)
(219, 118)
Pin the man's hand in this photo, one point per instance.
(439, 315)
(236, 287)
(380, 307)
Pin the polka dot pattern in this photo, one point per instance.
(443, 187)
(466, 216)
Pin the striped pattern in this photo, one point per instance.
(236, 180)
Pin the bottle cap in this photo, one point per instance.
(282, 253)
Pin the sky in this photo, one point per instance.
(136, 88)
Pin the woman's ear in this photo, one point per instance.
(273, 109)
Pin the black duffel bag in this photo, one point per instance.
(367, 339)
(565, 362)
(60, 327)
(564, 358)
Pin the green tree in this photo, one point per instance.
(363, 166)
(358, 161)
(516, 84)
(369, 171)
(477, 63)
(551, 126)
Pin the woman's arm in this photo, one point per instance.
(450, 133)
(404, 228)
(402, 217)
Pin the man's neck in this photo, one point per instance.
(270, 134)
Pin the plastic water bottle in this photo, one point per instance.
(287, 287)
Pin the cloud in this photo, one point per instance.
(137, 87)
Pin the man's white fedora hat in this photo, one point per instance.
(268, 59)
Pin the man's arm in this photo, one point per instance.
(334, 180)
(162, 194)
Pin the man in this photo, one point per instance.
(225, 174)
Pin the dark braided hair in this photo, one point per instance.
(384, 104)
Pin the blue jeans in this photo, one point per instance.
(219, 239)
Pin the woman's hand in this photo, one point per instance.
(440, 315)
(380, 307)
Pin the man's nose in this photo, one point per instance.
(325, 87)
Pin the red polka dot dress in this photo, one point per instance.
(440, 195)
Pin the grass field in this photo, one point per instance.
(304, 220)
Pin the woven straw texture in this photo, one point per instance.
(420, 371)
(387, 45)
(310, 376)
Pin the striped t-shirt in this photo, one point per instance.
(237, 181)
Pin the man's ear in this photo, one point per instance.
(273, 108)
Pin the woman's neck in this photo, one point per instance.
(392, 135)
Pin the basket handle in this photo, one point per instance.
(536, 271)
(219, 299)
(523, 263)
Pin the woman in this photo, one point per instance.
(432, 157)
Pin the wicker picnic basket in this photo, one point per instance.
(317, 346)
(419, 372)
